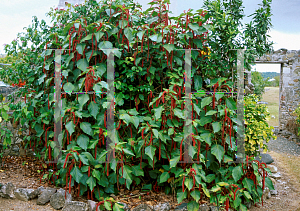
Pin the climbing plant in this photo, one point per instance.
(149, 100)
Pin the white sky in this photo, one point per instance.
(266, 68)
(16, 14)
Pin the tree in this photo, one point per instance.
(259, 83)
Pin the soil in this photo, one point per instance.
(25, 172)
(287, 188)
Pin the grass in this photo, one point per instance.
(291, 164)
(271, 96)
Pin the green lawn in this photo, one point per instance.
(271, 96)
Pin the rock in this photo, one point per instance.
(203, 207)
(45, 196)
(75, 206)
(126, 207)
(272, 168)
(23, 194)
(36, 192)
(182, 207)
(266, 193)
(142, 207)
(248, 204)
(7, 191)
(276, 176)
(266, 158)
(162, 207)
(92, 205)
(273, 192)
(58, 200)
(214, 208)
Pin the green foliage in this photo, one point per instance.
(259, 84)
(257, 128)
(149, 98)
(297, 113)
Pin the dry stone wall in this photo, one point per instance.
(289, 87)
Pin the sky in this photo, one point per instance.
(16, 14)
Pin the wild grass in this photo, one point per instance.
(271, 96)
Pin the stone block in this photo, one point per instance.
(45, 196)
(58, 200)
(75, 206)
(23, 194)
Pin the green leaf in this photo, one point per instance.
(96, 174)
(196, 195)
(140, 34)
(137, 171)
(70, 127)
(147, 187)
(206, 101)
(218, 151)
(205, 120)
(83, 159)
(219, 95)
(69, 87)
(99, 34)
(181, 196)
(135, 121)
(39, 130)
(179, 113)
(230, 103)
(150, 151)
(197, 82)
(80, 48)
(141, 96)
(105, 45)
(76, 174)
(269, 183)
(83, 99)
(129, 33)
(83, 141)
(118, 207)
(127, 172)
(211, 112)
(174, 161)
(93, 109)
(248, 183)
(209, 178)
(158, 111)
(88, 37)
(206, 137)
(123, 23)
(193, 206)
(91, 182)
(188, 183)
(128, 151)
(41, 79)
(86, 127)
(247, 195)
(237, 172)
(227, 159)
(216, 126)
(155, 132)
(206, 192)
(107, 205)
(164, 177)
(169, 47)
(170, 131)
(215, 188)
(82, 64)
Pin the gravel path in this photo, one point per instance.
(282, 145)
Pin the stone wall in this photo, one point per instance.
(289, 87)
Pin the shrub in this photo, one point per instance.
(149, 101)
(257, 129)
